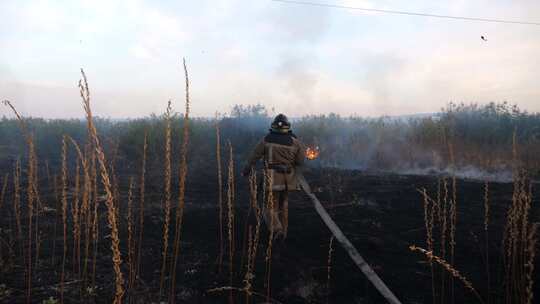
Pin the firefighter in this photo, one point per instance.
(282, 154)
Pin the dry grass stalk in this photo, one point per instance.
(529, 266)
(167, 215)
(131, 245)
(486, 232)
(85, 211)
(50, 186)
(2, 195)
(253, 293)
(17, 203)
(452, 215)
(95, 217)
(142, 188)
(220, 193)
(75, 217)
(181, 187)
(258, 214)
(248, 277)
(270, 212)
(329, 266)
(230, 212)
(428, 222)
(64, 214)
(31, 192)
(111, 212)
(4, 188)
(516, 238)
(449, 268)
(82, 209)
(57, 216)
(444, 232)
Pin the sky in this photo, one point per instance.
(292, 58)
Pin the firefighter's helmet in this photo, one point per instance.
(281, 123)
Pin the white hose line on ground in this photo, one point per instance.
(353, 253)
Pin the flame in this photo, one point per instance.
(312, 153)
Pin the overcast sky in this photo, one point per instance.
(296, 59)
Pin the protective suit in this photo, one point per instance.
(282, 154)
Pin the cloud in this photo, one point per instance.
(295, 58)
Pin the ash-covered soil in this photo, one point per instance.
(380, 214)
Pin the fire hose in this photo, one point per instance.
(347, 245)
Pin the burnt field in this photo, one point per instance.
(382, 215)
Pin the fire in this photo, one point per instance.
(312, 153)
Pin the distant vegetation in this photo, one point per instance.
(476, 135)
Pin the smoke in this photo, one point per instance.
(467, 172)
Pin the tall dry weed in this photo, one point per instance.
(167, 206)
(130, 234)
(4, 188)
(64, 214)
(449, 268)
(429, 207)
(142, 189)
(230, 213)
(111, 208)
(270, 212)
(32, 194)
(17, 204)
(486, 238)
(329, 266)
(82, 209)
(220, 193)
(182, 188)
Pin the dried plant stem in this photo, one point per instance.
(449, 268)
(329, 266)
(80, 210)
(2, 195)
(167, 215)
(248, 277)
(64, 215)
(428, 221)
(270, 210)
(230, 213)
(75, 217)
(111, 209)
(86, 212)
(182, 189)
(95, 217)
(141, 205)
(17, 204)
(57, 216)
(453, 216)
(131, 245)
(4, 188)
(486, 232)
(220, 194)
(444, 231)
(258, 214)
(31, 192)
(531, 252)
(230, 288)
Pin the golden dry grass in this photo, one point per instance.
(220, 194)
(449, 268)
(167, 205)
(230, 212)
(142, 189)
(111, 208)
(182, 188)
(64, 214)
